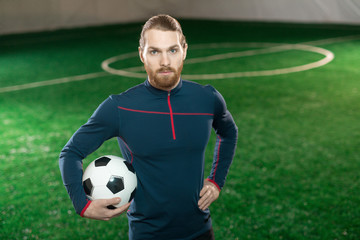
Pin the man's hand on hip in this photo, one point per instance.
(208, 194)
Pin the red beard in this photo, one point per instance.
(167, 81)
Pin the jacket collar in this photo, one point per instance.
(162, 92)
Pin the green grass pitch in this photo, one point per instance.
(296, 170)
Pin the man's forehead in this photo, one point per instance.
(161, 39)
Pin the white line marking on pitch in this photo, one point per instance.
(102, 74)
(332, 40)
(269, 48)
(53, 82)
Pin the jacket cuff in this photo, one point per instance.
(84, 209)
(212, 181)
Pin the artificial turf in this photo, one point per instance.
(295, 174)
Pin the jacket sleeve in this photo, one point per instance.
(101, 126)
(226, 140)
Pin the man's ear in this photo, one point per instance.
(141, 54)
(185, 50)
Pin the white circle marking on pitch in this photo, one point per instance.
(269, 48)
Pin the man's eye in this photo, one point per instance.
(173, 51)
(153, 52)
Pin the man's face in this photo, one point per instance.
(163, 58)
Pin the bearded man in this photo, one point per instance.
(163, 126)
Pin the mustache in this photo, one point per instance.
(166, 69)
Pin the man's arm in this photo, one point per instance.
(227, 132)
(102, 126)
(226, 140)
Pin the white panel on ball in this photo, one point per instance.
(108, 177)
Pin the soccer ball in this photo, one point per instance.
(108, 177)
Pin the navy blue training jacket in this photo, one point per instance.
(164, 135)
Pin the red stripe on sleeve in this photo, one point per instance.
(84, 209)
(217, 157)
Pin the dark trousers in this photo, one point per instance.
(209, 235)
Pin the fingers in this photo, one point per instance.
(202, 197)
(208, 194)
(98, 209)
(203, 191)
(206, 199)
(112, 201)
(116, 211)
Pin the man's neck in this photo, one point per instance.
(163, 88)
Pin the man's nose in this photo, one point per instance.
(165, 61)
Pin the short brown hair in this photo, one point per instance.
(164, 23)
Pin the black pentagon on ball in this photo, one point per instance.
(87, 186)
(115, 184)
(129, 166)
(102, 161)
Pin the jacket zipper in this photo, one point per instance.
(171, 116)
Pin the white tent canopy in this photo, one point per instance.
(24, 16)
